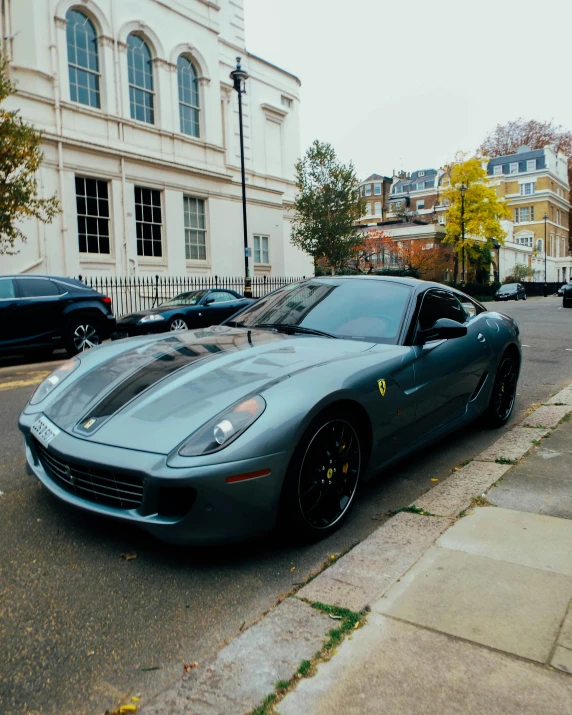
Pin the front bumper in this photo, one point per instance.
(217, 511)
(130, 330)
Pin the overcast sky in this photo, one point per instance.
(406, 84)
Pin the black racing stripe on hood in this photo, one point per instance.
(163, 365)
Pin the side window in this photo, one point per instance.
(7, 289)
(37, 288)
(222, 296)
(440, 304)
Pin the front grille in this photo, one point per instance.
(98, 485)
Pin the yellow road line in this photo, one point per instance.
(14, 384)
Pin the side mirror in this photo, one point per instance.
(208, 301)
(443, 329)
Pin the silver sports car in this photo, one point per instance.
(275, 417)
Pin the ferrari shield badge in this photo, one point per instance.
(89, 423)
(382, 387)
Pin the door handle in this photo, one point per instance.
(481, 338)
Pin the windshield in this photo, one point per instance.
(358, 309)
(508, 288)
(191, 298)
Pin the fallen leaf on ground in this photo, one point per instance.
(128, 709)
(135, 699)
(336, 618)
(434, 480)
(356, 626)
(189, 666)
(293, 568)
(129, 557)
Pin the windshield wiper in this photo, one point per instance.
(293, 329)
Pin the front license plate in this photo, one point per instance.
(45, 431)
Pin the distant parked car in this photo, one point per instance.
(195, 309)
(567, 295)
(41, 313)
(511, 291)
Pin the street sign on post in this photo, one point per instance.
(248, 252)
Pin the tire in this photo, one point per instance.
(82, 333)
(177, 323)
(503, 394)
(328, 457)
(516, 297)
(566, 305)
(524, 297)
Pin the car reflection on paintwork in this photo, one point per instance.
(189, 310)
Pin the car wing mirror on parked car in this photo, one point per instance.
(443, 329)
(208, 301)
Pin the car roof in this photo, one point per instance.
(74, 282)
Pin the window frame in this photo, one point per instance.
(198, 230)
(512, 166)
(97, 217)
(153, 256)
(76, 67)
(260, 250)
(131, 69)
(528, 185)
(367, 190)
(191, 65)
(377, 189)
(528, 165)
(497, 170)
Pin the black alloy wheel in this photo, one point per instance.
(504, 392)
(322, 479)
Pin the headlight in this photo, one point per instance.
(154, 317)
(53, 380)
(224, 429)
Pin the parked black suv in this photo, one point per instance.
(41, 313)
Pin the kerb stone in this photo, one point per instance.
(454, 494)
(244, 672)
(364, 574)
(513, 445)
(564, 397)
(546, 416)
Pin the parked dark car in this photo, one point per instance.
(195, 309)
(567, 295)
(560, 291)
(41, 313)
(511, 291)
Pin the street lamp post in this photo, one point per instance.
(545, 217)
(239, 77)
(463, 190)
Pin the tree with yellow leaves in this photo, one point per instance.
(475, 211)
(20, 159)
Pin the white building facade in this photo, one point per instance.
(141, 139)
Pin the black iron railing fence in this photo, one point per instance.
(130, 294)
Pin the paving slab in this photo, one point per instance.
(540, 542)
(564, 397)
(513, 445)
(546, 416)
(245, 671)
(506, 606)
(360, 577)
(551, 497)
(562, 659)
(454, 494)
(397, 668)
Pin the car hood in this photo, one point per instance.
(135, 317)
(151, 397)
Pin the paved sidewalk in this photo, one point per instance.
(466, 599)
(482, 623)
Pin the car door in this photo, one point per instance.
(39, 310)
(447, 372)
(218, 305)
(9, 324)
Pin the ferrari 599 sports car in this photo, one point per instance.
(275, 417)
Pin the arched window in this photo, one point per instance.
(539, 245)
(188, 97)
(141, 95)
(83, 60)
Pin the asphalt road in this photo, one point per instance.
(80, 626)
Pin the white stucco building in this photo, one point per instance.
(141, 139)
